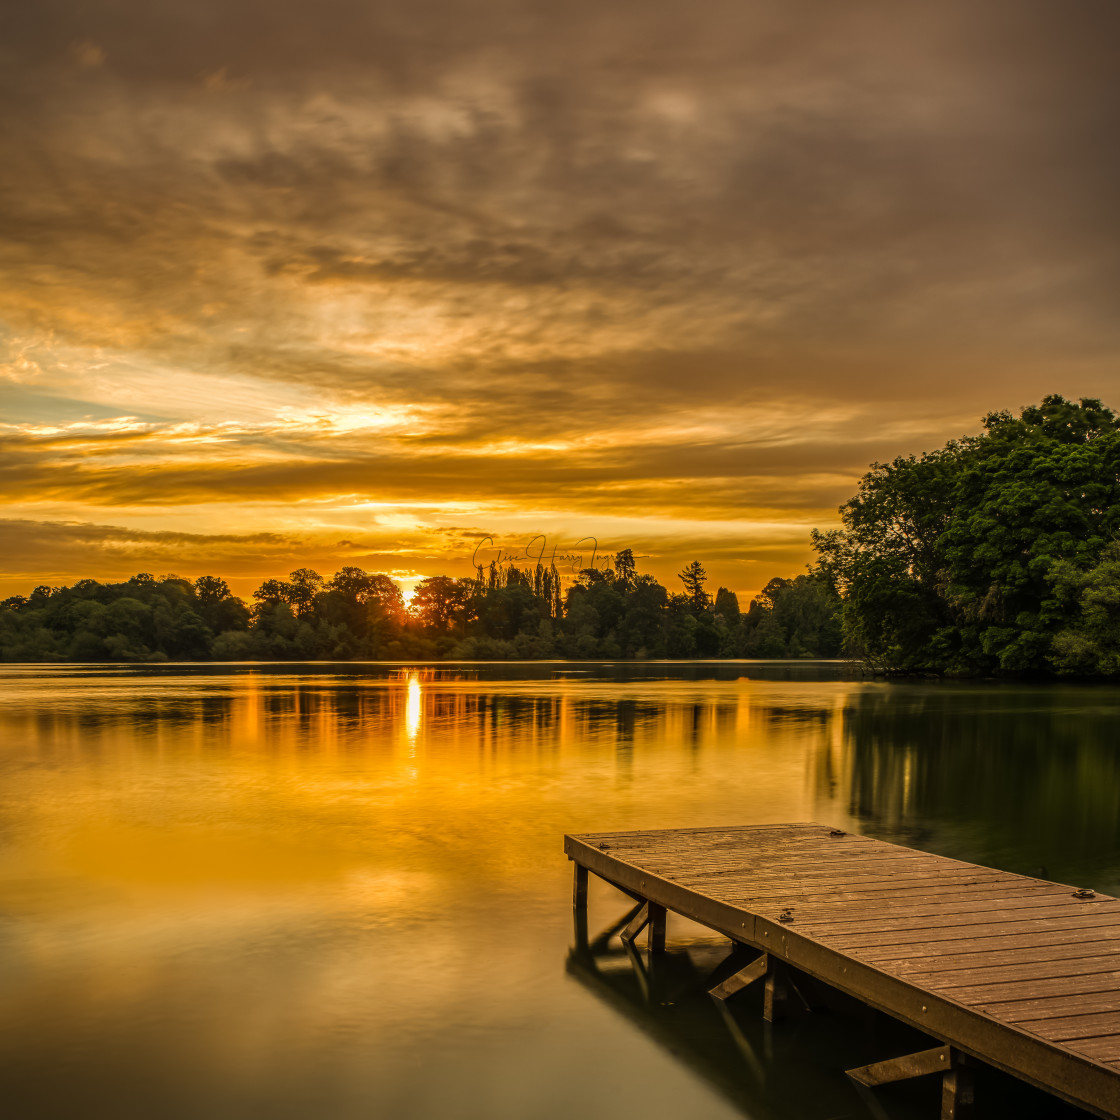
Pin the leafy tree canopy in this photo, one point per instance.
(968, 559)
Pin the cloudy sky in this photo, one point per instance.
(295, 283)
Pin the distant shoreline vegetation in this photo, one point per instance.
(504, 612)
(996, 555)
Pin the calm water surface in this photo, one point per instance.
(340, 891)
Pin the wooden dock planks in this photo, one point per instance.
(1018, 972)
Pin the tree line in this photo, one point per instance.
(997, 554)
(502, 612)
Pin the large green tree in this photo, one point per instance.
(962, 559)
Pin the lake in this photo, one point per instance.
(340, 890)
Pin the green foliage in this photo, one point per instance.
(989, 555)
(793, 618)
(1090, 644)
(143, 619)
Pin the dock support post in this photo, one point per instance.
(579, 905)
(657, 920)
(776, 992)
(957, 1094)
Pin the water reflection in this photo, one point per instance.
(289, 891)
(1026, 779)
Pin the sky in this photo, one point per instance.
(288, 283)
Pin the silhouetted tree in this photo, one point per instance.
(694, 577)
(625, 569)
(218, 606)
(441, 603)
(727, 605)
(305, 585)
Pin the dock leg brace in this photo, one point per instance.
(765, 968)
(956, 1080)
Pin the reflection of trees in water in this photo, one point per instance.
(486, 708)
(1027, 779)
(800, 715)
(440, 715)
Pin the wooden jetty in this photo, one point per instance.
(1018, 973)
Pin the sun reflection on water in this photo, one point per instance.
(412, 712)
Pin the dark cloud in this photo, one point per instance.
(826, 168)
